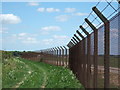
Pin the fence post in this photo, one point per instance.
(79, 59)
(95, 51)
(56, 56)
(70, 45)
(62, 56)
(88, 56)
(76, 57)
(77, 37)
(73, 41)
(59, 56)
(51, 56)
(82, 57)
(66, 61)
(106, 45)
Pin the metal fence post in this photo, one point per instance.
(56, 56)
(106, 45)
(62, 55)
(88, 56)
(73, 41)
(66, 61)
(80, 34)
(59, 56)
(95, 51)
(77, 37)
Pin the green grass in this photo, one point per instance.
(21, 73)
(113, 61)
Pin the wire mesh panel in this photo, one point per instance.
(92, 59)
(114, 56)
(59, 61)
(85, 60)
(32, 56)
(101, 57)
(80, 71)
(67, 57)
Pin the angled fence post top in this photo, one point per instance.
(64, 47)
(99, 14)
(90, 24)
(80, 34)
(56, 48)
(70, 44)
(77, 37)
(53, 49)
(61, 47)
(73, 41)
(85, 31)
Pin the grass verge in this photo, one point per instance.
(21, 73)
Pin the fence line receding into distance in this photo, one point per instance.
(92, 53)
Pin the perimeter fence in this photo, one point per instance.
(93, 52)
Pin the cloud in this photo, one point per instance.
(51, 28)
(41, 9)
(46, 30)
(56, 40)
(48, 41)
(30, 40)
(9, 19)
(26, 38)
(3, 30)
(52, 10)
(33, 4)
(60, 37)
(80, 14)
(70, 10)
(22, 34)
(48, 10)
(62, 18)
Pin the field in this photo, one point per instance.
(113, 60)
(21, 73)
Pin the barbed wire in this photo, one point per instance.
(84, 24)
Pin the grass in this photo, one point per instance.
(113, 61)
(21, 73)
